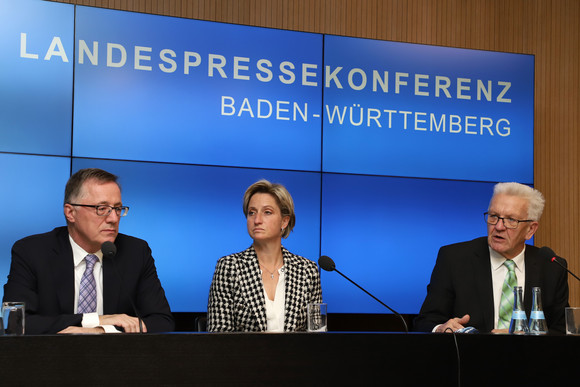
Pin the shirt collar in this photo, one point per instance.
(497, 259)
(79, 253)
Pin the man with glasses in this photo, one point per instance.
(67, 285)
(472, 282)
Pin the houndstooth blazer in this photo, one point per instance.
(236, 297)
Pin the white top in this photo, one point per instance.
(498, 273)
(275, 309)
(90, 320)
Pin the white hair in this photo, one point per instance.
(535, 198)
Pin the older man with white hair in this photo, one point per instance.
(468, 277)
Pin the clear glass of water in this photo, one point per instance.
(317, 317)
(573, 321)
(13, 318)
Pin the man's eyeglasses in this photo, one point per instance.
(512, 223)
(103, 210)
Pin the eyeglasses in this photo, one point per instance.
(512, 223)
(104, 210)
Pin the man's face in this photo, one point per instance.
(88, 229)
(509, 242)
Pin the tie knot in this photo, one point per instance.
(91, 259)
(511, 265)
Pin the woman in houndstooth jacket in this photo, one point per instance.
(264, 288)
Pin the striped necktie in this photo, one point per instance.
(506, 302)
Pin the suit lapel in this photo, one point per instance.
(484, 283)
(62, 264)
(292, 290)
(252, 287)
(111, 284)
(532, 278)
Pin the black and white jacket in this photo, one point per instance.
(236, 297)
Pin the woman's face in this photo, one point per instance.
(264, 220)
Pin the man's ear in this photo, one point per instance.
(532, 230)
(69, 213)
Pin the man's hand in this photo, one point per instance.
(128, 323)
(81, 330)
(500, 331)
(453, 324)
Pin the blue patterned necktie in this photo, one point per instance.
(506, 302)
(88, 287)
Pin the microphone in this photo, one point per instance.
(109, 250)
(327, 264)
(548, 252)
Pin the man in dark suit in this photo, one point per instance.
(50, 271)
(467, 283)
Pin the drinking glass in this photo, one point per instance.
(317, 317)
(13, 318)
(573, 321)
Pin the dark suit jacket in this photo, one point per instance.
(236, 296)
(42, 275)
(461, 283)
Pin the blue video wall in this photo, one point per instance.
(388, 149)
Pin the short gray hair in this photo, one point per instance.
(535, 198)
(74, 186)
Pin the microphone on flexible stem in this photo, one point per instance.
(109, 251)
(327, 264)
(548, 252)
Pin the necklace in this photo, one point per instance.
(270, 272)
